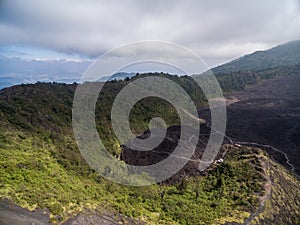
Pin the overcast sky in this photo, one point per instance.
(217, 30)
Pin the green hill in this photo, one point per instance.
(287, 54)
(33, 174)
(41, 166)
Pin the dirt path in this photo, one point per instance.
(265, 197)
(268, 185)
(272, 148)
(265, 166)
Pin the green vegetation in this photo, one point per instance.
(33, 174)
(236, 81)
(46, 107)
(283, 204)
(284, 55)
(40, 165)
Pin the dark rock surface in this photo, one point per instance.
(133, 156)
(97, 218)
(11, 214)
(267, 113)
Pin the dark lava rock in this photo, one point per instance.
(133, 156)
(11, 214)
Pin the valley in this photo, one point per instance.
(44, 179)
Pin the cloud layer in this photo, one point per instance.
(216, 30)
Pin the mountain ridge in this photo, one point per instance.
(41, 166)
(286, 54)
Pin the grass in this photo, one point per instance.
(32, 176)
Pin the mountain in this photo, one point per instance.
(252, 180)
(41, 166)
(117, 76)
(287, 54)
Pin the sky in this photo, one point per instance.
(80, 31)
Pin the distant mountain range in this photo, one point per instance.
(117, 76)
(287, 54)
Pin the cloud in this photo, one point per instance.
(217, 30)
(68, 68)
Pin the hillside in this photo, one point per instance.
(41, 166)
(287, 54)
(47, 106)
(32, 175)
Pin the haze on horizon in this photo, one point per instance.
(72, 34)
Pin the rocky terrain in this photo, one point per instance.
(269, 113)
(251, 181)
